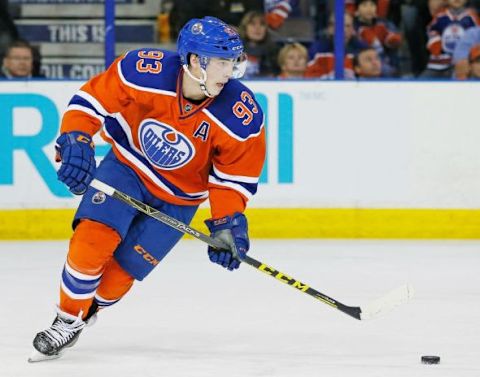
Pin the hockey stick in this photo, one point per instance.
(375, 308)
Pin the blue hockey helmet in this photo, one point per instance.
(208, 37)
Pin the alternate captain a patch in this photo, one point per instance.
(163, 146)
(202, 131)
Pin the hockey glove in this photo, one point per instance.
(233, 232)
(76, 152)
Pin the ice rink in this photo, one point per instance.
(191, 318)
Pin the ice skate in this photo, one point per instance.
(63, 333)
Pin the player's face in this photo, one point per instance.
(19, 62)
(367, 10)
(219, 71)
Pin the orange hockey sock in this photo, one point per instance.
(91, 248)
(115, 283)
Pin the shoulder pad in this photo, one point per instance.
(237, 110)
(150, 69)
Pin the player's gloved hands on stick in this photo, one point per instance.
(233, 232)
(76, 152)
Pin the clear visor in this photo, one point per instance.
(240, 66)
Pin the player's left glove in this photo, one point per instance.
(233, 232)
(75, 151)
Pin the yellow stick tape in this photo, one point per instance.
(283, 223)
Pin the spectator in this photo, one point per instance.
(322, 59)
(382, 10)
(8, 31)
(446, 29)
(462, 50)
(231, 11)
(474, 59)
(18, 61)
(292, 60)
(367, 64)
(261, 50)
(379, 34)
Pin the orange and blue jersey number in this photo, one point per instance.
(149, 62)
(242, 111)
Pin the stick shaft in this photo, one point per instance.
(262, 267)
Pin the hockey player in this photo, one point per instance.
(182, 129)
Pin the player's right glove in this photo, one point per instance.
(233, 232)
(76, 152)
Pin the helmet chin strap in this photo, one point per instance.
(202, 82)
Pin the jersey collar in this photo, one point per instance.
(187, 108)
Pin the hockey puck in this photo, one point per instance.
(430, 359)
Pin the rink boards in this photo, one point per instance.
(345, 160)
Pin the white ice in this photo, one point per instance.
(191, 318)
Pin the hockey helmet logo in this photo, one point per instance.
(163, 146)
(197, 28)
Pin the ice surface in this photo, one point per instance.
(192, 318)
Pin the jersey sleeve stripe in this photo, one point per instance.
(228, 131)
(238, 178)
(118, 137)
(128, 132)
(235, 186)
(97, 106)
(87, 111)
(250, 187)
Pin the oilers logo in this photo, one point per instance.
(451, 36)
(163, 146)
(99, 197)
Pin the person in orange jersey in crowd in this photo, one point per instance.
(321, 52)
(378, 33)
(447, 28)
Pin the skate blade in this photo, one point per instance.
(36, 356)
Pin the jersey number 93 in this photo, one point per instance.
(149, 62)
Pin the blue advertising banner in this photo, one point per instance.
(74, 69)
(87, 31)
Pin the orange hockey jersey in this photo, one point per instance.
(183, 152)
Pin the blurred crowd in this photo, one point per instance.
(430, 39)
(292, 39)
